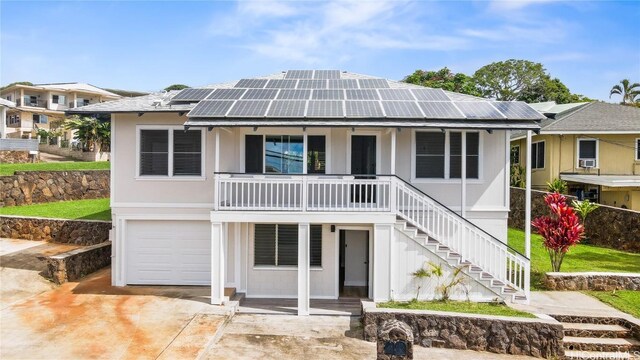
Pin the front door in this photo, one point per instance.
(354, 263)
(363, 163)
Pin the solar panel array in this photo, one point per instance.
(324, 94)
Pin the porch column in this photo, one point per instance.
(463, 175)
(3, 125)
(303, 268)
(527, 197)
(382, 244)
(393, 151)
(217, 263)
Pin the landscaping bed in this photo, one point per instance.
(10, 169)
(92, 209)
(458, 307)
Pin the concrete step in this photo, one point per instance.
(595, 355)
(595, 330)
(600, 344)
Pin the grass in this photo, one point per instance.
(94, 209)
(9, 169)
(624, 300)
(580, 258)
(466, 307)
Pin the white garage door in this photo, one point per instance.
(168, 252)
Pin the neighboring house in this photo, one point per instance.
(594, 146)
(4, 106)
(314, 184)
(39, 105)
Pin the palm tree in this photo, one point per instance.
(627, 91)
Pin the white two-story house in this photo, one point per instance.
(314, 184)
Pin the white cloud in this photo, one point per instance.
(511, 5)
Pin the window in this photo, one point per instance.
(537, 155)
(14, 119)
(284, 154)
(637, 149)
(58, 99)
(9, 97)
(587, 152)
(170, 152)
(438, 155)
(515, 154)
(277, 245)
(40, 119)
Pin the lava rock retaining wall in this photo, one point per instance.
(15, 157)
(32, 187)
(502, 335)
(592, 281)
(75, 264)
(79, 232)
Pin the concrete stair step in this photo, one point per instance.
(594, 330)
(595, 355)
(600, 344)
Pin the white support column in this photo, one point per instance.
(303, 268)
(216, 169)
(527, 206)
(3, 125)
(463, 175)
(393, 151)
(382, 241)
(217, 262)
(304, 152)
(216, 164)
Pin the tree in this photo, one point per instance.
(94, 134)
(561, 230)
(444, 79)
(629, 92)
(509, 80)
(551, 90)
(17, 83)
(176, 87)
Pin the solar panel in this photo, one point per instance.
(478, 110)
(402, 109)
(253, 108)
(343, 84)
(326, 74)
(233, 94)
(299, 74)
(312, 84)
(363, 109)
(430, 95)
(192, 95)
(395, 94)
(287, 108)
(289, 94)
(357, 94)
(373, 83)
(325, 108)
(516, 110)
(328, 95)
(260, 94)
(440, 110)
(251, 83)
(206, 108)
(281, 84)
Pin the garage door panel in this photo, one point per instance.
(168, 252)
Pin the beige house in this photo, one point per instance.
(42, 105)
(595, 147)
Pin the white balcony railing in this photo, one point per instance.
(374, 193)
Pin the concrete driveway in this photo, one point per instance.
(92, 320)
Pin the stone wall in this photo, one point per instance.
(32, 187)
(79, 232)
(592, 281)
(607, 226)
(497, 334)
(15, 157)
(75, 264)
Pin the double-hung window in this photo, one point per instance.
(438, 155)
(170, 152)
(537, 155)
(587, 153)
(284, 154)
(277, 245)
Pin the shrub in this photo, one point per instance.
(557, 186)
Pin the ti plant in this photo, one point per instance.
(557, 186)
(584, 208)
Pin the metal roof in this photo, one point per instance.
(604, 180)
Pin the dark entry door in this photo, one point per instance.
(363, 163)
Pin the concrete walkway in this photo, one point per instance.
(47, 157)
(567, 303)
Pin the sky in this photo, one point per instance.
(148, 45)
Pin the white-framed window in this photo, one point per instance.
(437, 155)
(515, 154)
(40, 119)
(638, 149)
(58, 99)
(587, 153)
(277, 245)
(9, 97)
(285, 154)
(170, 152)
(537, 154)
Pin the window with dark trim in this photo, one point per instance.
(185, 152)
(40, 119)
(537, 155)
(58, 99)
(587, 149)
(277, 245)
(430, 154)
(316, 154)
(438, 151)
(284, 154)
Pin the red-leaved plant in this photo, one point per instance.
(561, 230)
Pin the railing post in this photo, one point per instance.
(216, 192)
(304, 202)
(527, 280)
(393, 195)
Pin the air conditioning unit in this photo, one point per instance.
(587, 163)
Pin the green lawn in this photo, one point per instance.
(624, 300)
(9, 169)
(94, 209)
(579, 258)
(466, 307)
